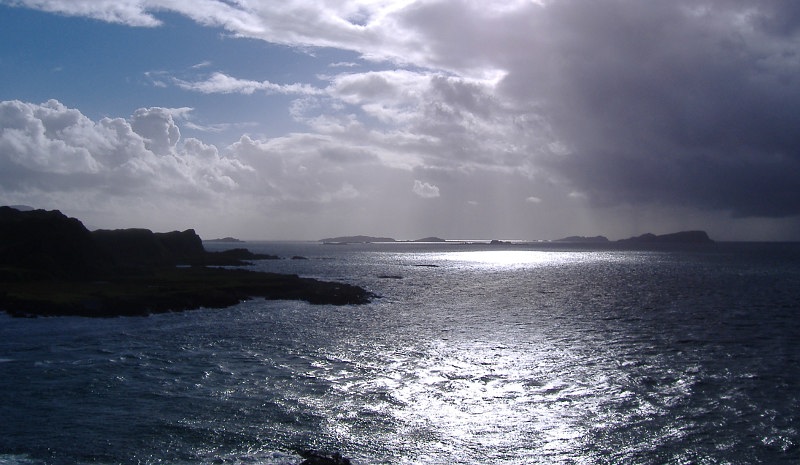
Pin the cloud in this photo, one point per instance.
(377, 30)
(425, 190)
(533, 200)
(46, 137)
(449, 122)
(343, 64)
(674, 103)
(662, 106)
(131, 12)
(123, 172)
(157, 129)
(220, 83)
(117, 170)
(216, 127)
(669, 104)
(50, 147)
(47, 147)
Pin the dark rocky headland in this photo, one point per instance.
(52, 265)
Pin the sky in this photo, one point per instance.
(463, 119)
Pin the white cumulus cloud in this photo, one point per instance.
(425, 190)
(223, 84)
(49, 146)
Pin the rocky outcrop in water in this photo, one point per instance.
(320, 458)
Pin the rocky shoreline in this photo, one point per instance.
(51, 265)
(168, 291)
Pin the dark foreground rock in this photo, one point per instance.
(168, 290)
(47, 244)
(52, 265)
(132, 248)
(321, 458)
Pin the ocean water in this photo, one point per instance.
(472, 354)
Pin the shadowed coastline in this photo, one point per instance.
(51, 265)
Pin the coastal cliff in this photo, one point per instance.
(51, 264)
(47, 244)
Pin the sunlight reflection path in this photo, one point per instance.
(473, 402)
(514, 259)
(488, 397)
(526, 385)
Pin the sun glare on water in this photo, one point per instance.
(511, 258)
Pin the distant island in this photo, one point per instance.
(430, 239)
(499, 242)
(355, 240)
(51, 265)
(683, 237)
(372, 239)
(223, 239)
(591, 239)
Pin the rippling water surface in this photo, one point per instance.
(472, 354)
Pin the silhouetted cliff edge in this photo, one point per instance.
(47, 244)
(51, 264)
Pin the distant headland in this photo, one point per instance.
(682, 237)
(52, 265)
(430, 239)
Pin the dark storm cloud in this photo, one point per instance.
(685, 103)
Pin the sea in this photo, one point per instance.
(470, 353)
